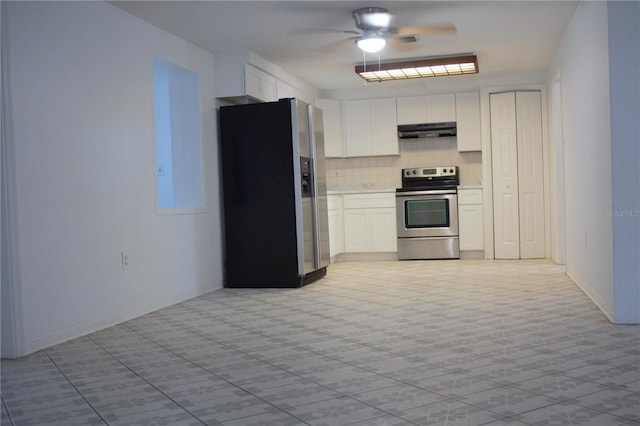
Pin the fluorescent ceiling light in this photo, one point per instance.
(371, 44)
(420, 68)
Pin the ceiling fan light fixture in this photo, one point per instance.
(377, 19)
(371, 44)
(372, 17)
(420, 68)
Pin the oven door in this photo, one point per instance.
(430, 213)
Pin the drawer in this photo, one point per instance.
(470, 196)
(366, 201)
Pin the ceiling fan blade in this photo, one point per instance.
(316, 31)
(402, 39)
(334, 46)
(444, 27)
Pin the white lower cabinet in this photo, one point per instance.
(336, 225)
(383, 227)
(370, 223)
(470, 219)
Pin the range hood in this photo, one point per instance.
(427, 130)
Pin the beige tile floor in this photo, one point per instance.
(469, 342)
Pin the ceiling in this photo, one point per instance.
(507, 36)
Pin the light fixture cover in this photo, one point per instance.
(371, 44)
(420, 68)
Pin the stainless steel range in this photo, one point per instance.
(427, 213)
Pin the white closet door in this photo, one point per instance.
(504, 158)
(530, 174)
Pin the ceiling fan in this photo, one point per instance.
(375, 29)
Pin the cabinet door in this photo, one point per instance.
(259, 84)
(358, 121)
(357, 235)
(333, 139)
(411, 110)
(336, 225)
(441, 108)
(384, 127)
(468, 122)
(383, 229)
(471, 227)
(284, 90)
(268, 89)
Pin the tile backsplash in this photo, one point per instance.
(384, 172)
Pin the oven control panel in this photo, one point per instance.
(429, 172)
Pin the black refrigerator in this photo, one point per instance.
(276, 229)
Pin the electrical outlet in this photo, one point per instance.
(124, 257)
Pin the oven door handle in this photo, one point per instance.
(429, 192)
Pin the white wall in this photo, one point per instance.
(583, 66)
(624, 87)
(81, 136)
(384, 172)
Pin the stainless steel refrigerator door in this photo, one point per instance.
(321, 211)
(304, 205)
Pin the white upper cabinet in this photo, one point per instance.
(426, 109)
(384, 127)
(284, 90)
(259, 85)
(412, 110)
(358, 121)
(441, 108)
(371, 127)
(333, 129)
(468, 121)
(244, 77)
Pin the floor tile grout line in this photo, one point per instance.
(75, 387)
(208, 371)
(446, 397)
(585, 333)
(342, 394)
(141, 377)
(513, 385)
(6, 409)
(516, 358)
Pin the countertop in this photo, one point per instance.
(370, 188)
(470, 185)
(360, 189)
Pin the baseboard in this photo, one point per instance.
(84, 328)
(366, 257)
(627, 317)
(604, 307)
(471, 254)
